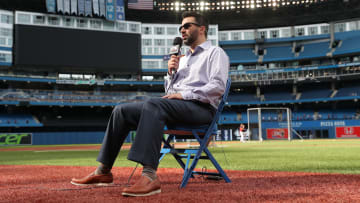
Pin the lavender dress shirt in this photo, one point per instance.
(201, 75)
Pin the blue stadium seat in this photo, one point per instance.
(348, 92)
(278, 96)
(349, 42)
(315, 50)
(278, 53)
(316, 93)
(243, 97)
(242, 55)
(19, 120)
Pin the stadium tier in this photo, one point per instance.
(242, 55)
(278, 50)
(19, 120)
(314, 94)
(314, 50)
(276, 96)
(348, 92)
(280, 53)
(347, 42)
(72, 98)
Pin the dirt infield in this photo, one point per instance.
(52, 184)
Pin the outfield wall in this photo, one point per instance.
(54, 138)
(328, 129)
(332, 129)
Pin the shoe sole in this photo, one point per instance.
(96, 184)
(141, 195)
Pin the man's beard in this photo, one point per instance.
(191, 38)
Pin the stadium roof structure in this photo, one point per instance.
(252, 14)
(230, 14)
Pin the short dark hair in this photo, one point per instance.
(200, 19)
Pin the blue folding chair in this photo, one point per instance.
(203, 135)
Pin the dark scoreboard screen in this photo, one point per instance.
(75, 50)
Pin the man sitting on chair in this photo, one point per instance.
(192, 96)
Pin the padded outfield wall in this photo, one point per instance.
(339, 129)
(336, 129)
(54, 138)
(331, 129)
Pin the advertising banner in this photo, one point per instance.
(67, 7)
(60, 5)
(348, 132)
(120, 10)
(51, 6)
(102, 8)
(277, 133)
(81, 7)
(110, 10)
(7, 139)
(74, 7)
(88, 8)
(96, 7)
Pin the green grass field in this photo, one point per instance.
(325, 156)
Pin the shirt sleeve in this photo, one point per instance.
(167, 83)
(218, 74)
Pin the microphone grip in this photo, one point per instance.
(173, 72)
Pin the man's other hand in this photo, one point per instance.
(173, 96)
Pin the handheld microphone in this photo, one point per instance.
(175, 50)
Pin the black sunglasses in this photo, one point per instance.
(187, 25)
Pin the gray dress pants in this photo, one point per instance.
(148, 118)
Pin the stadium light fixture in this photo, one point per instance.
(205, 5)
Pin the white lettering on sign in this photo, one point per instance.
(326, 124)
(296, 124)
(339, 123)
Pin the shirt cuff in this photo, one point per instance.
(187, 95)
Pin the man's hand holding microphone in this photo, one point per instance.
(173, 65)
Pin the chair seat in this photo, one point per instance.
(189, 130)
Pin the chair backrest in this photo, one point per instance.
(221, 105)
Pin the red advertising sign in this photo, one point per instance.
(348, 132)
(277, 133)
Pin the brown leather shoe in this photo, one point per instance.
(92, 179)
(143, 187)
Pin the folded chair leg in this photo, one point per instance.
(190, 170)
(176, 156)
(188, 173)
(217, 166)
(186, 169)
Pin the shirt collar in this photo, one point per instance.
(205, 45)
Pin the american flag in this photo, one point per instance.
(140, 4)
